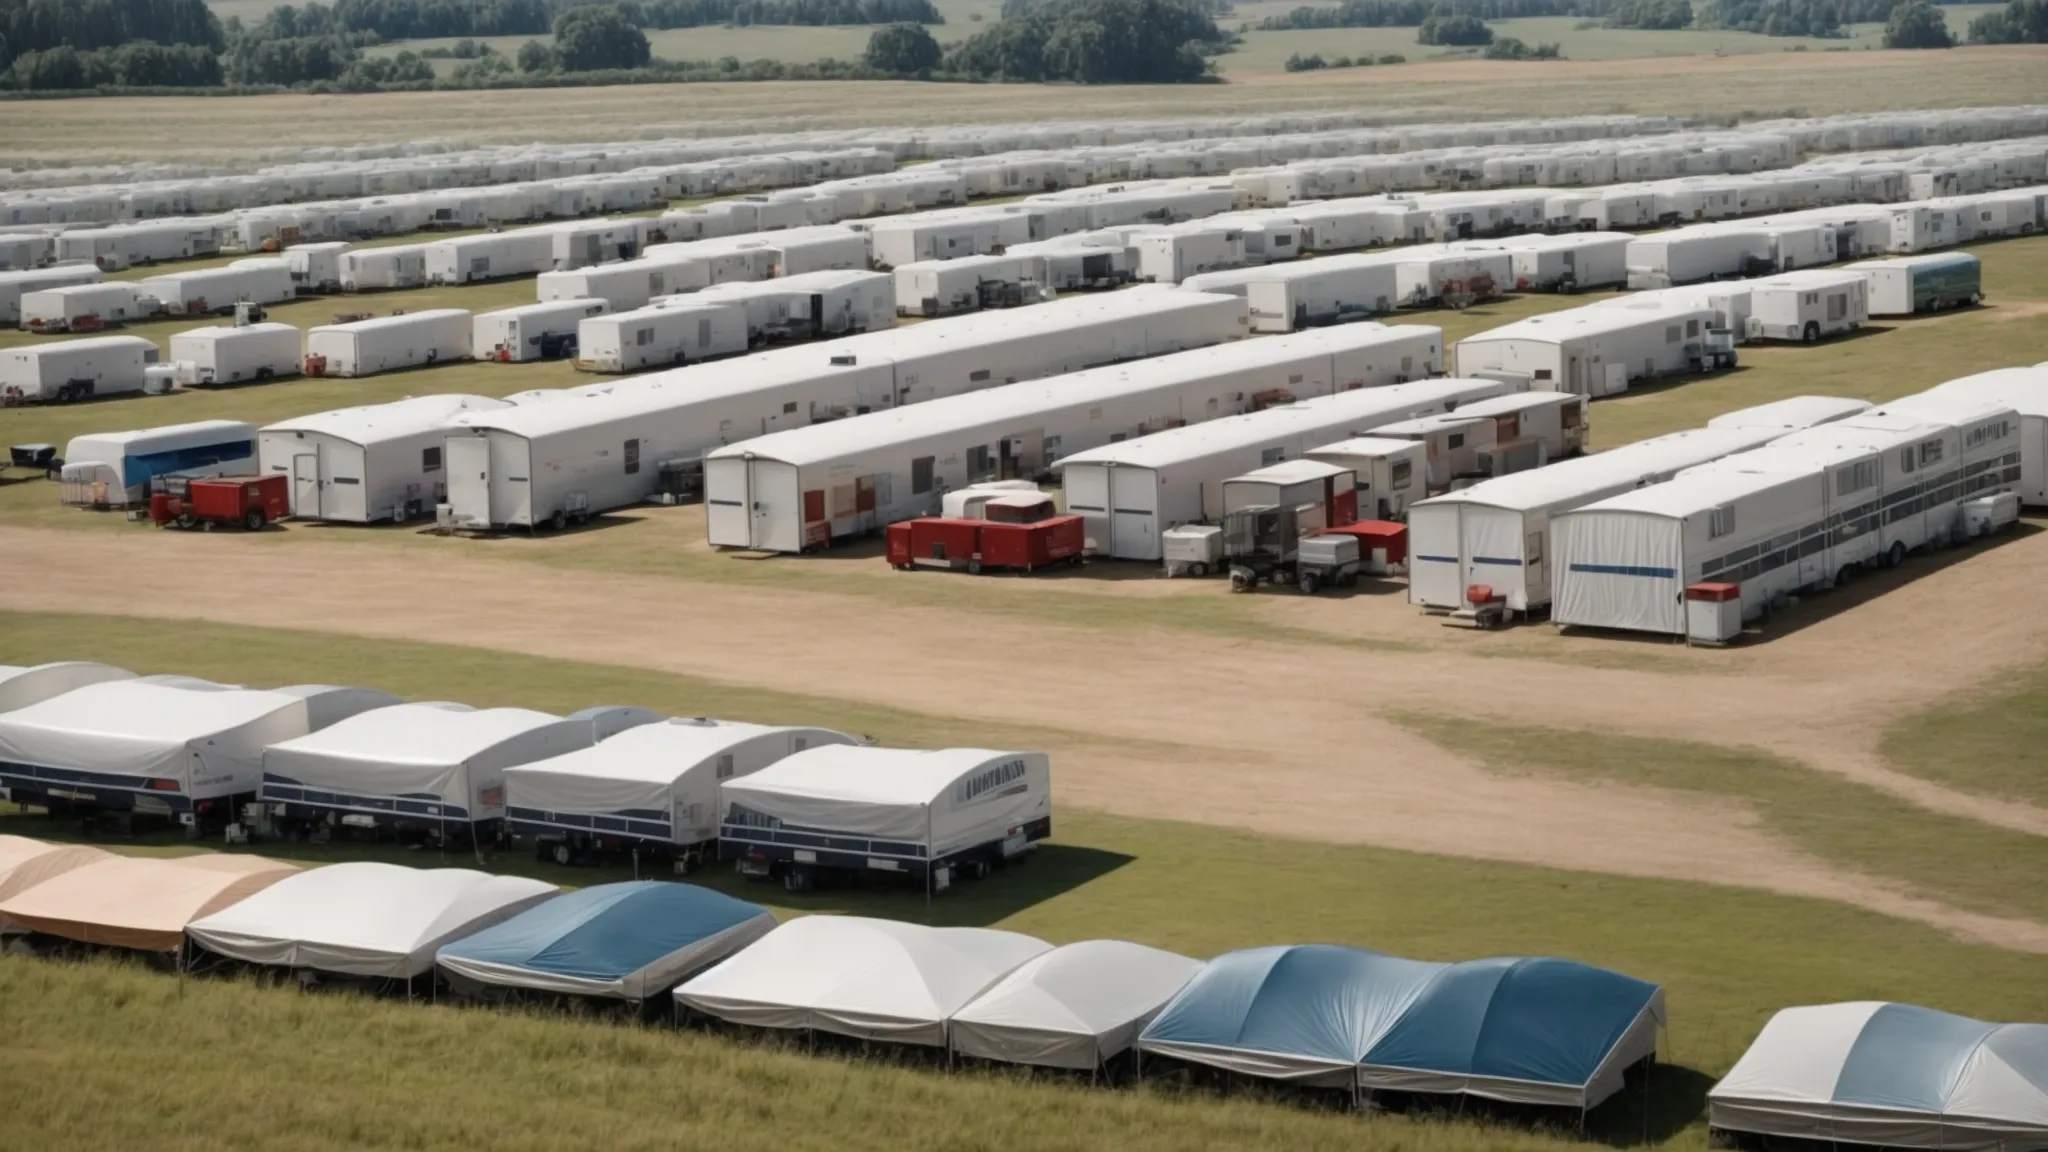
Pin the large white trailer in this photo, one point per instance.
(1497, 436)
(316, 267)
(1572, 262)
(1452, 278)
(2025, 390)
(1792, 413)
(120, 246)
(67, 370)
(966, 284)
(542, 464)
(1496, 533)
(235, 354)
(801, 489)
(388, 343)
(1328, 290)
(946, 234)
(1391, 474)
(1066, 266)
(1132, 491)
(628, 284)
(368, 463)
(14, 285)
(392, 267)
(1929, 282)
(492, 256)
(1807, 306)
(808, 305)
(261, 280)
(1597, 350)
(543, 331)
(19, 250)
(1171, 255)
(672, 331)
(1698, 253)
(86, 307)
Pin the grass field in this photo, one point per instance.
(336, 1071)
(1989, 743)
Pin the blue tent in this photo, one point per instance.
(1530, 1030)
(623, 941)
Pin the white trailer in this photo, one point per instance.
(1573, 262)
(1806, 306)
(1064, 266)
(388, 343)
(628, 284)
(1496, 533)
(541, 464)
(809, 305)
(316, 268)
(1329, 290)
(1321, 494)
(966, 284)
(1132, 491)
(2025, 390)
(69, 370)
(120, 246)
(392, 267)
(1174, 254)
(1390, 474)
(19, 250)
(543, 331)
(369, 463)
(583, 243)
(85, 307)
(1930, 282)
(263, 280)
(946, 234)
(1599, 350)
(1497, 436)
(1455, 278)
(235, 354)
(492, 256)
(1792, 413)
(673, 331)
(113, 469)
(1699, 253)
(801, 489)
(14, 285)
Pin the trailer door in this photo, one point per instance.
(780, 510)
(727, 496)
(1436, 562)
(1087, 487)
(1134, 513)
(469, 478)
(1491, 544)
(511, 473)
(306, 486)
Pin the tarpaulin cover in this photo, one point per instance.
(132, 728)
(628, 941)
(25, 863)
(1072, 1007)
(140, 902)
(1890, 1074)
(21, 687)
(365, 919)
(849, 975)
(946, 799)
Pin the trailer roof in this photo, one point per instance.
(1514, 402)
(373, 423)
(437, 732)
(86, 343)
(142, 709)
(1572, 479)
(1918, 260)
(378, 323)
(219, 331)
(1590, 320)
(1693, 492)
(1291, 472)
(1793, 412)
(1371, 446)
(1939, 407)
(865, 774)
(1809, 278)
(197, 428)
(545, 307)
(2026, 389)
(653, 753)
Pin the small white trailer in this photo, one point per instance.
(14, 285)
(543, 331)
(966, 284)
(1599, 350)
(113, 469)
(235, 354)
(628, 284)
(1573, 262)
(1496, 533)
(1321, 494)
(1132, 491)
(809, 305)
(1807, 306)
(673, 331)
(945, 234)
(263, 280)
(369, 463)
(86, 307)
(388, 343)
(1930, 282)
(1391, 475)
(1069, 266)
(316, 267)
(1174, 254)
(492, 256)
(2025, 390)
(1696, 254)
(389, 268)
(67, 370)
(1792, 413)
(1452, 443)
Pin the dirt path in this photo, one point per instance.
(1280, 739)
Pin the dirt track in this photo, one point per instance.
(1277, 738)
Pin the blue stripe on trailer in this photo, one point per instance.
(1627, 570)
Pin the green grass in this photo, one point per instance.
(1994, 742)
(335, 1070)
(1966, 863)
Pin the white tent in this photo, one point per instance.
(1073, 1007)
(1892, 1075)
(852, 976)
(21, 687)
(364, 919)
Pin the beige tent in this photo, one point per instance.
(139, 902)
(25, 863)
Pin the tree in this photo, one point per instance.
(902, 49)
(2021, 22)
(534, 56)
(1093, 42)
(1917, 24)
(597, 38)
(1461, 30)
(482, 72)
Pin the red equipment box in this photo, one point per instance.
(1714, 592)
(1373, 534)
(979, 544)
(249, 501)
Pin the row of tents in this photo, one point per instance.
(1519, 1030)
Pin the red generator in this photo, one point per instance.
(979, 544)
(249, 501)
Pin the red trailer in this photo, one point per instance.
(979, 544)
(250, 501)
(1382, 544)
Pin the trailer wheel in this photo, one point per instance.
(558, 521)
(563, 854)
(187, 520)
(1976, 298)
(1810, 334)
(1242, 581)
(255, 520)
(1198, 569)
(1897, 555)
(1308, 583)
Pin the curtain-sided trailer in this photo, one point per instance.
(68, 370)
(544, 464)
(1497, 533)
(235, 354)
(1599, 350)
(650, 788)
(931, 815)
(544, 331)
(263, 280)
(86, 307)
(1132, 491)
(388, 343)
(369, 463)
(14, 285)
(802, 489)
(673, 331)
(1930, 282)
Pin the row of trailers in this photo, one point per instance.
(789, 803)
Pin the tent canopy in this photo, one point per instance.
(139, 902)
(365, 919)
(21, 687)
(942, 799)
(629, 941)
(874, 979)
(25, 863)
(1893, 1074)
(1072, 1007)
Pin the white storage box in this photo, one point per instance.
(1192, 549)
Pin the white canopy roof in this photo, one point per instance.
(21, 687)
(365, 919)
(1072, 1007)
(941, 798)
(853, 976)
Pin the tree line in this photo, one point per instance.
(2021, 22)
(1085, 42)
(85, 25)
(1765, 17)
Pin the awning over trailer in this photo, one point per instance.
(628, 941)
(140, 902)
(1073, 1007)
(852, 976)
(365, 919)
(1890, 1074)
(25, 863)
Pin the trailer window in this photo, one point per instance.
(1838, 307)
(789, 408)
(430, 459)
(632, 457)
(725, 766)
(978, 376)
(1398, 478)
(1543, 373)
(1930, 453)
(1905, 459)
(1272, 456)
(1856, 477)
(643, 337)
(980, 464)
(1721, 522)
(1692, 329)
(921, 475)
(1457, 441)
(1671, 334)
